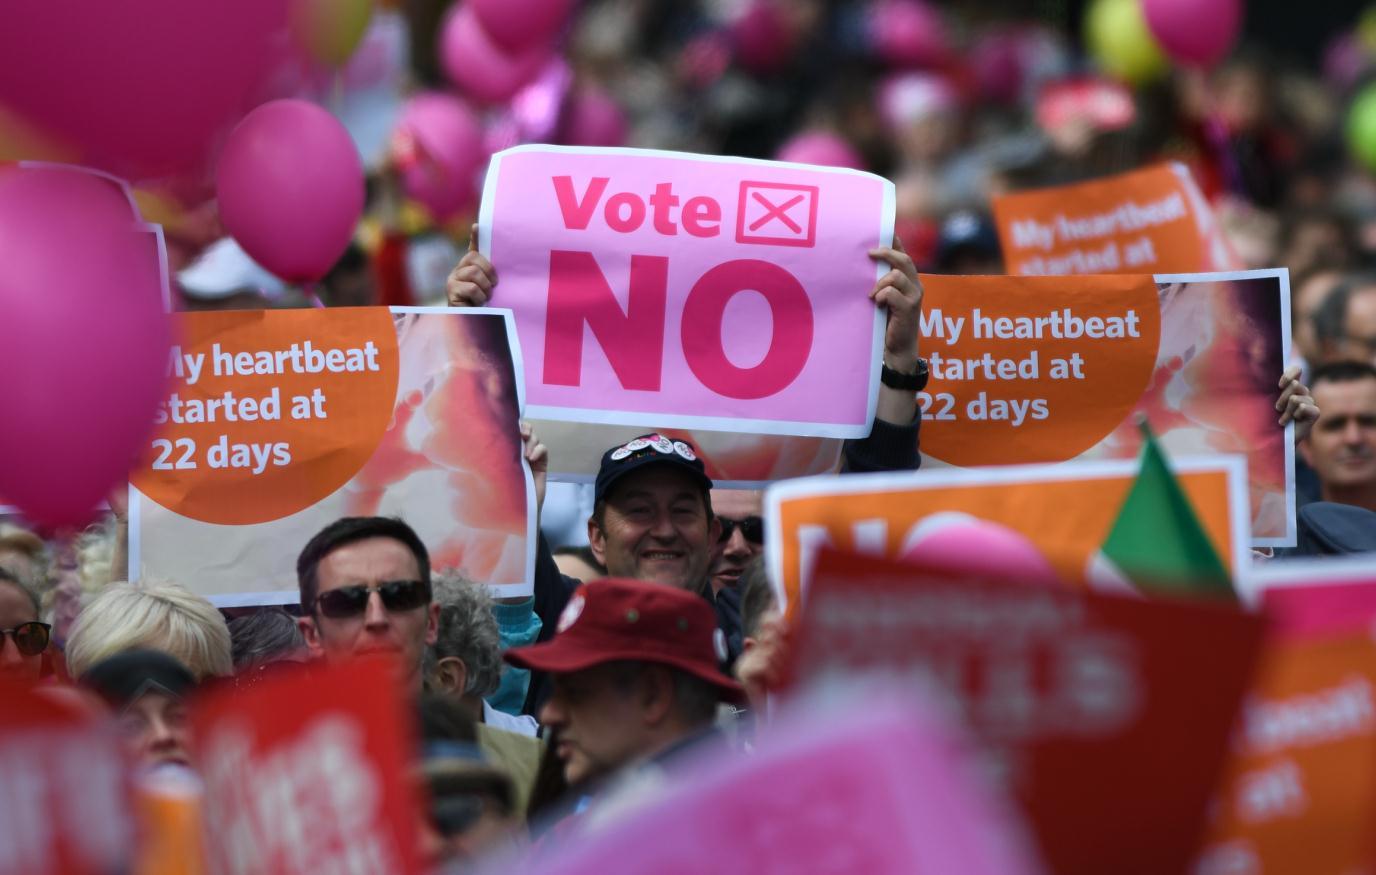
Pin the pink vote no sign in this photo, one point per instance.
(691, 291)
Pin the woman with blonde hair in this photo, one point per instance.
(151, 615)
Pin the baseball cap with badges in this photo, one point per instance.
(615, 620)
(648, 449)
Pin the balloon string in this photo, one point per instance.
(312, 291)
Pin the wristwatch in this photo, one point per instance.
(908, 382)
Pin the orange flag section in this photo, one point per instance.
(1021, 373)
(1152, 220)
(1065, 510)
(269, 411)
(1299, 794)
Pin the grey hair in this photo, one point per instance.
(263, 636)
(468, 630)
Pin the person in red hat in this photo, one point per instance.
(635, 679)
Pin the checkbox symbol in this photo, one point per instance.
(777, 214)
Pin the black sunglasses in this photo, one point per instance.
(350, 601)
(30, 638)
(752, 529)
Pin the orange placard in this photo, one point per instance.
(279, 422)
(1047, 369)
(1152, 220)
(1065, 510)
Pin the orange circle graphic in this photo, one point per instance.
(269, 411)
(1033, 369)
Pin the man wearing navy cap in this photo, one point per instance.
(634, 677)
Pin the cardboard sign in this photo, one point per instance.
(278, 422)
(1066, 511)
(876, 784)
(307, 773)
(1108, 717)
(1046, 369)
(733, 460)
(66, 794)
(691, 291)
(1153, 220)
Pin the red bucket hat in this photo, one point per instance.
(635, 620)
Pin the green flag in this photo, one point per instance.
(1157, 541)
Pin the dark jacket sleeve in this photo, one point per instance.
(552, 589)
(889, 447)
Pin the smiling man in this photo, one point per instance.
(652, 513)
(1341, 448)
(365, 589)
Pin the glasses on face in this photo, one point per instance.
(351, 601)
(29, 638)
(752, 529)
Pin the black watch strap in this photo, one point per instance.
(907, 382)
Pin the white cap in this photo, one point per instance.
(224, 269)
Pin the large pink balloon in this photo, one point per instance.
(83, 338)
(479, 66)
(517, 25)
(1194, 32)
(143, 88)
(290, 186)
(443, 144)
(907, 33)
(821, 147)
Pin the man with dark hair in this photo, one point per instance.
(635, 680)
(1345, 323)
(365, 588)
(1341, 448)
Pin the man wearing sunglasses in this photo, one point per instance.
(742, 535)
(365, 589)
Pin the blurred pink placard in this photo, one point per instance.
(692, 291)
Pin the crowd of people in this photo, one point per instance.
(653, 629)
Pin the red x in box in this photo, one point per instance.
(777, 214)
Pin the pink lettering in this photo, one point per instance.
(578, 213)
(663, 201)
(633, 340)
(702, 217)
(789, 347)
(632, 219)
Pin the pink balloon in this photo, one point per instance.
(142, 88)
(907, 33)
(762, 39)
(83, 291)
(821, 147)
(1344, 60)
(1195, 32)
(443, 142)
(594, 119)
(479, 66)
(290, 187)
(517, 25)
(961, 544)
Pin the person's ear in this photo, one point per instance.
(311, 633)
(432, 623)
(453, 675)
(1305, 451)
(597, 542)
(714, 530)
(657, 695)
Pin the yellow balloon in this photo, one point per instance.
(330, 30)
(1118, 39)
(1366, 30)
